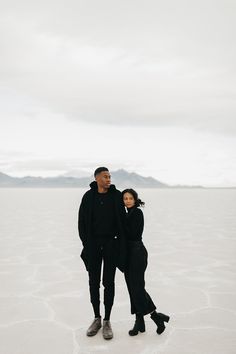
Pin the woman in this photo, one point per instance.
(141, 302)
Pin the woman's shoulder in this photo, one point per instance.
(138, 212)
(137, 218)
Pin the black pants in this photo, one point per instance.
(140, 300)
(102, 251)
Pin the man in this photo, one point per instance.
(100, 223)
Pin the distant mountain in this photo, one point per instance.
(121, 178)
(5, 179)
(126, 179)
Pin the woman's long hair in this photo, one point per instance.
(138, 202)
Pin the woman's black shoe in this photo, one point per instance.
(139, 326)
(159, 319)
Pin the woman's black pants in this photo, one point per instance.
(140, 300)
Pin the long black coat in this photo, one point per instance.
(85, 224)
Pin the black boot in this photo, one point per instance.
(139, 325)
(159, 319)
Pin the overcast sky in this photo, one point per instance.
(149, 86)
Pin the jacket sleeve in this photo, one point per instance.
(81, 223)
(122, 213)
(138, 223)
(121, 255)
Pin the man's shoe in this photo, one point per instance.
(94, 328)
(107, 330)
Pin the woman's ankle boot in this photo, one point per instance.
(139, 326)
(159, 319)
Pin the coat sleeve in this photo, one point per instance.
(121, 255)
(122, 213)
(138, 223)
(81, 222)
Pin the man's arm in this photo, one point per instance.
(122, 209)
(81, 223)
(121, 213)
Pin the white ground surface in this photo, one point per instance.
(45, 309)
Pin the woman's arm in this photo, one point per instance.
(137, 223)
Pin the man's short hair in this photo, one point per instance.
(100, 169)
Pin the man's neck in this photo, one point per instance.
(102, 190)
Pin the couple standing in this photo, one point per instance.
(113, 236)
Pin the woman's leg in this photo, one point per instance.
(159, 319)
(141, 300)
(139, 325)
(127, 279)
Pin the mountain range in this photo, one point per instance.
(121, 178)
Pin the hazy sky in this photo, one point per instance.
(149, 86)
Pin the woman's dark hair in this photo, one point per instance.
(138, 202)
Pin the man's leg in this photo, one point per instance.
(108, 280)
(95, 264)
(94, 285)
(109, 270)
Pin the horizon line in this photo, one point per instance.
(167, 185)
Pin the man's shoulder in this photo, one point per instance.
(118, 192)
(114, 189)
(87, 194)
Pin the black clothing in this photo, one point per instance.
(140, 300)
(102, 251)
(85, 224)
(139, 325)
(135, 224)
(103, 215)
(101, 229)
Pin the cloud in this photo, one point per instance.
(153, 64)
(146, 86)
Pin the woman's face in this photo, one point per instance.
(128, 200)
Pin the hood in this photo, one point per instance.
(93, 185)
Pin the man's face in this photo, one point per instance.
(104, 179)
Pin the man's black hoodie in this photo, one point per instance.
(85, 224)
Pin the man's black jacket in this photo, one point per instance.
(85, 224)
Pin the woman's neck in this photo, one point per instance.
(130, 208)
